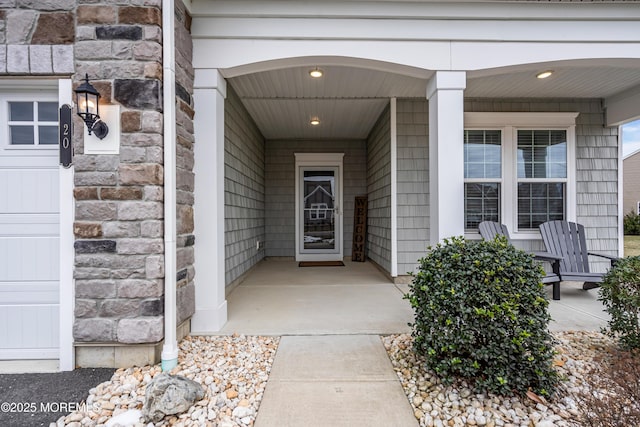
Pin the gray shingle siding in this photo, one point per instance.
(260, 186)
(244, 187)
(379, 192)
(596, 166)
(596, 174)
(413, 182)
(280, 189)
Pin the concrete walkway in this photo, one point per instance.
(331, 368)
(333, 380)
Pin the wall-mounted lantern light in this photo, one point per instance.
(87, 98)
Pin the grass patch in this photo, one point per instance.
(631, 245)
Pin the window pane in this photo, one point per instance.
(21, 135)
(542, 154)
(482, 154)
(539, 202)
(48, 135)
(21, 111)
(481, 203)
(47, 111)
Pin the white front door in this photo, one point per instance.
(319, 234)
(29, 226)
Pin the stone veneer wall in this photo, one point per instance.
(119, 265)
(379, 191)
(184, 163)
(243, 189)
(119, 227)
(36, 37)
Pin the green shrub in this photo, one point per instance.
(632, 224)
(481, 315)
(620, 293)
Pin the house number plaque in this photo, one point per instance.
(66, 147)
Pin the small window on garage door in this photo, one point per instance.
(29, 120)
(33, 122)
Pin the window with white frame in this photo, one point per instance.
(542, 176)
(32, 122)
(519, 169)
(483, 176)
(28, 117)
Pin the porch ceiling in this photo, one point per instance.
(348, 100)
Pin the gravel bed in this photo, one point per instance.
(233, 369)
(435, 404)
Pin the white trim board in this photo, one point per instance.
(67, 253)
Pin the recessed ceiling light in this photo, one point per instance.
(544, 74)
(316, 73)
(314, 122)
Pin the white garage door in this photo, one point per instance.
(29, 230)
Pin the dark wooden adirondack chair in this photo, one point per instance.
(490, 229)
(567, 240)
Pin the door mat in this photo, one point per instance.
(321, 264)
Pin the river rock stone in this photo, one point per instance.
(170, 394)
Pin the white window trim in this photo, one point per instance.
(509, 124)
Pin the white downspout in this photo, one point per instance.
(170, 347)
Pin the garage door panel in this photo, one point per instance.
(29, 331)
(15, 293)
(28, 225)
(28, 156)
(29, 237)
(29, 191)
(29, 258)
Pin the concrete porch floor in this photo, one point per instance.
(279, 298)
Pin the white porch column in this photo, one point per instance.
(210, 90)
(445, 93)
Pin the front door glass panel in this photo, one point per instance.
(319, 209)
